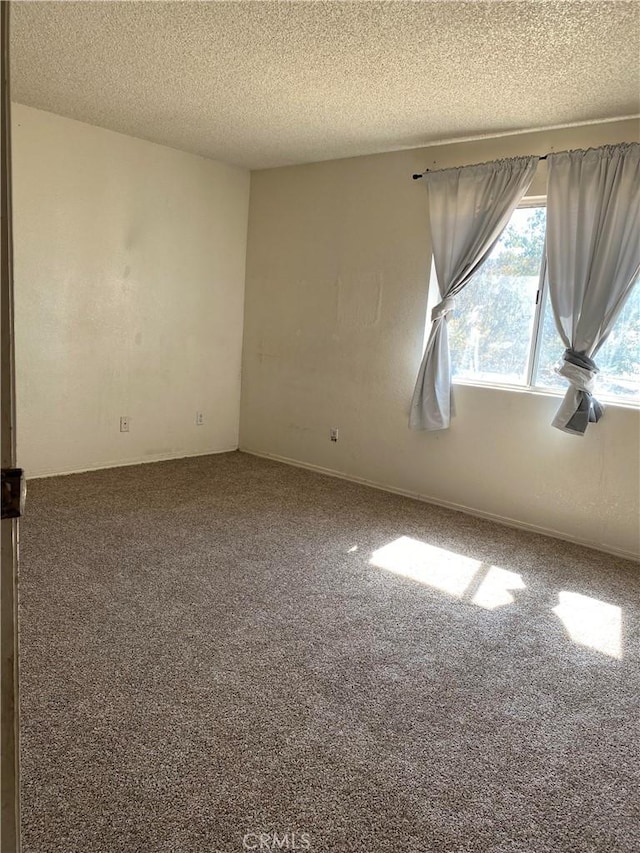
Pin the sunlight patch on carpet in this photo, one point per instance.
(591, 622)
(441, 569)
(487, 586)
(494, 591)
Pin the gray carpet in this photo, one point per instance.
(205, 657)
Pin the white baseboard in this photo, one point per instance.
(478, 513)
(159, 457)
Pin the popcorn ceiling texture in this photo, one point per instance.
(268, 84)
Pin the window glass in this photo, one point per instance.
(550, 349)
(491, 327)
(618, 358)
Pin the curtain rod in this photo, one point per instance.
(422, 174)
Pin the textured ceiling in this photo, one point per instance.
(269, 83)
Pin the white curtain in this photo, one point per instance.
(593, 260)
(469, 209)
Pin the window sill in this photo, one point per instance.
(618, 402)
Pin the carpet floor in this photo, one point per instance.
(225, 654)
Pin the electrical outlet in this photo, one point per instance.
(333, 433)
(124, 424)
(199, 418)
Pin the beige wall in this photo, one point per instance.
(337, 268)
(129, 281)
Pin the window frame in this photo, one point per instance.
(533, 357)
(538, 317)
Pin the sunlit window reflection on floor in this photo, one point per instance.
(494, 590)
(591, 622)
(441, 569)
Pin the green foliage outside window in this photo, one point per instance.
(492, 325)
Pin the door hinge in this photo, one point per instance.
(14, 492)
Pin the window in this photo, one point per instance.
(502, 331)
